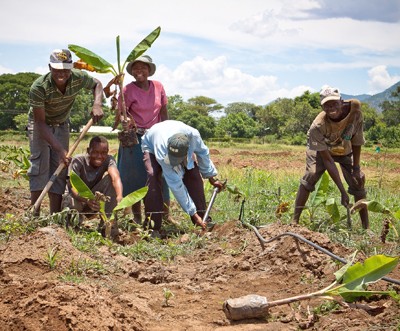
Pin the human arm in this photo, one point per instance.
(116, 182)
(334, 174)
(41, 127)
(357, 174)
(164, 113)
(97, 111)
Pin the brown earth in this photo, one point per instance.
(128, 295)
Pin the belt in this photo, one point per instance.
(57, 124)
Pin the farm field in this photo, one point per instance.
(53, 279)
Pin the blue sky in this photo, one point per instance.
(230, 50)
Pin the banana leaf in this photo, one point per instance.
(97, 62)
(356, 277)
(143, 46)
(84, 191)
(333, 209)
(321, 188)
(353, 295)
(130, 200)
(373, 269)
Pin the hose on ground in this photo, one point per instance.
(263, 241)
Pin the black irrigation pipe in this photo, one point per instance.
(263, 241)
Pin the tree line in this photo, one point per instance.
(283, 120)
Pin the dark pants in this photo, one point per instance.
(153, 200)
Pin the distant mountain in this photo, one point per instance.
(376, 99)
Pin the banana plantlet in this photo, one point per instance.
(84, 191)
(93, 62)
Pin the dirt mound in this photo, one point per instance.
(121, 294)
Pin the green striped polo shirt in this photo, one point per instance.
(57, 106)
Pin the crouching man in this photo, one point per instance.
(98, 170)
(177, 151)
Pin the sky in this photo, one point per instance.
(230, 50)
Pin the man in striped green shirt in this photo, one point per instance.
(51, 98)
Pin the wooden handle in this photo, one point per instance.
(61, 166)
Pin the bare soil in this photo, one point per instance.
(128, 295)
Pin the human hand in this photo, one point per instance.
(93, 205)
(217, 183)
(64, 158)
(358, 178)
(196, 219)
(126, 124)
(345, 200)
(96, 113)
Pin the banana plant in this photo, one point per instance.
(350, 285)
(90, 61)
(84, 191)
(93, 62)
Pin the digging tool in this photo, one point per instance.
(210, 225)
(61, 166)
(348, 217)
(205, 217)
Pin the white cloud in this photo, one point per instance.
(214, 78)
(380, 79)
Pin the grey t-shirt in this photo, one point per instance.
(91, 176)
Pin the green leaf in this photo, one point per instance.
(339, 274)
(79, 185)
(96, 61)
(374, 268)
(321, 188)
(132, 198)
(372, 205)
(231, 188)
(333, 209)
(143, 46)
(353, 295)
(118, 54)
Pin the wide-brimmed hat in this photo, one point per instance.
(178, 146)
(328, 93)
(61, 59)
(145, 59)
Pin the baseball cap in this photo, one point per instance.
(178, 146)
(328, 93)
(61, 59)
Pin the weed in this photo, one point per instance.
(167, 296)
(52, 256)
(79, 269)
(326, 307)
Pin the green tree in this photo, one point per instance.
(311, 98)
(205, 124)
(250, 109)
(20, 121)
(237, 125)
(371, 117)
(176, 106)
(14, 97)
(391, 109)
(275, 115)
(204, 105)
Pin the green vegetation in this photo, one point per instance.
(52, 255)
(283, 120)
(79, 269)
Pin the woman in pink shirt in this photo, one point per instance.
(146, 102)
